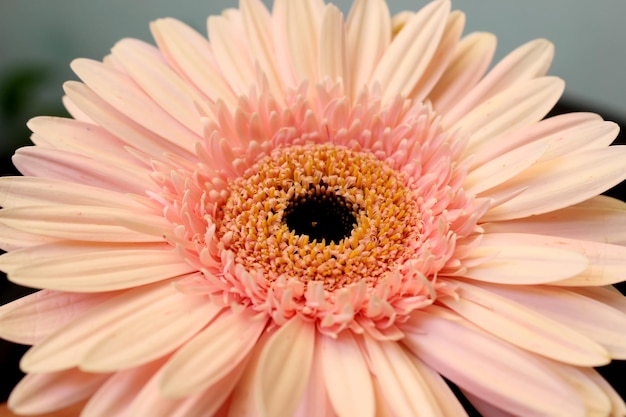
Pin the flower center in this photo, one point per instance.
(320, 214)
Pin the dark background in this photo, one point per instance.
(15, 117)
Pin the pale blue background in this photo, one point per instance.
(589, 35)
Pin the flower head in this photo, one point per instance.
(312, 215)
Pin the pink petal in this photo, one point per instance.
(88, 268)
(525, 328)
(368, 36)
(60, 165)
(489, 368)
(485, 408)
(42, 393)
(85, 223)
(471, 60)
(348, 381)
(190, 53)
(600, 322)
(284, 367)
(410, 53)
(406, 392)
(559, 183)
(211, 354)
(30, 319)
(529, 61)
(12, 239)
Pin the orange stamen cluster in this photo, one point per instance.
(252, 222)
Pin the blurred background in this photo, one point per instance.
(39, 39)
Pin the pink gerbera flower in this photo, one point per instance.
(312, 216)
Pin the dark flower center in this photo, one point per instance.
(320, 214)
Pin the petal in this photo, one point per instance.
(471, 60)
(303, 35)
(42, 393)
(410, 53)
(521, 105)
(484, 408)
(524, 328)
(148, 68)
(560, 183)
(287, 357)
(85, 223)
(606, 262)
(529, 61)
(93, 268)
(34, 317)
(32, 191)
(515, 380)
(118, 392)
(333, 62)
(368, 36)
(232, 54)
(54, 164)
(406, 392)
(12, 239)
(211, 354)
(442, 56)
(315, 401)
(600, 322)
(603, 223)
(348, 381)
(122, 93)
(618, 406)
(190, 53)
(65, 347)
(86, 139)
(510, 262)
(151, 333)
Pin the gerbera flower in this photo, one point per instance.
(316, 216)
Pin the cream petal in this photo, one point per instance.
(150, 401)
(64, 348)
(471, 60)
(117, 123)
(211, 354)
(148, 68)
(563, 133)
(258, 23)
(232, 54)
(447, 400)
(12, 239)
(600, 322)
(406, 392)
(190, 53)
(529, 61)
(94, 268)
(116, 395)
(333, 64)
(484, 408)
(348, 380)
(515, 380)
(123, 93)
(315, 401)
(510, 262)
(83, 138)
(34, 191)
(85, 223)
(608, 295)
(151, 333)
(303, 37)
(559, 183)
(519, 106)
(582, 221)
(54, 164)
(502, 168)
(368, 37)
(280, 39)
(618, 407)
(441, 59)
(287, 357)
(411, 51)
(523, 327)
(606, 262)
(42, 393)
(32, 318)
